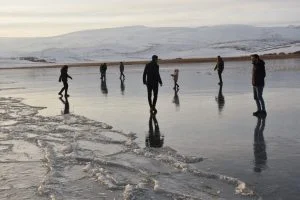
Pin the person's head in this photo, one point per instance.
(176, 70)
(65, 67)
(219, 58)
(154, 58)
(254, 58)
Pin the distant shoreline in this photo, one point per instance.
(274, 56)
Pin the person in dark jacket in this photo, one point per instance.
(220, 67)
(258, 82)
(122, 76)
(64, 78)
(103, 68)
(151, 78)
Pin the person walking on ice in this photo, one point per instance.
(175, 78)
(103, 68)
(151, 78)
(220, 67)
(258, 83)
(64, 78)
(122, 76)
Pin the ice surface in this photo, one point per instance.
(224, 140)
(59, 158)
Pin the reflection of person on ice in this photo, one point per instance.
(66, 103)
(151, 78)
(64, 78)
(154, 138)
(175, 78)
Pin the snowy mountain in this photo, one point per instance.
(140, 42)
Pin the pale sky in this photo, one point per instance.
(35, 18)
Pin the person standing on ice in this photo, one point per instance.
(103, 69)
(175, 78)
(258, 83)
(122, 76)
(220, 67)
(151, 78)
(64, 78)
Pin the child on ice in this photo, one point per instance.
(175, 78)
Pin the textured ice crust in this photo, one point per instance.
(72, 157)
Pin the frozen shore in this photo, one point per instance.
(72, 157)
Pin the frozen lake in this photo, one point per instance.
(194, 123)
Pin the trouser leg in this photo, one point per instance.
(155, 92)
(255, 95)
(220, 76)
(62, 89)
(260, 97)
(149, 90)
(66, 87)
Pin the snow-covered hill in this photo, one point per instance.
(140, 42)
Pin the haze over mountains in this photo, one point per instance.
(140, 42)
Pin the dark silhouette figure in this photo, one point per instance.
(154, 138)
(220, 99)
(66, 103)
(175, 78)
(176, 99)
(64, 78)
(258, 83)
(220, 67)
(103, 68)
(122, 76)
(259, 146)
(151, 78)
(122, 86)
(104, 89)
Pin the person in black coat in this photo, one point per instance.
(103, 68)
(64, 78)
(220, 67)
(151, 78)
(258, 82)
(122, 76)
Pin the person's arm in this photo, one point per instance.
(69, 76)
(59, 80)
(159, 79)
(145, 75)
(253, 76)
(264, 71)
(216, 67)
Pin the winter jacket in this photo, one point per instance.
(220, 66)
(64, 75)
(151, 74)
(258, 73)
